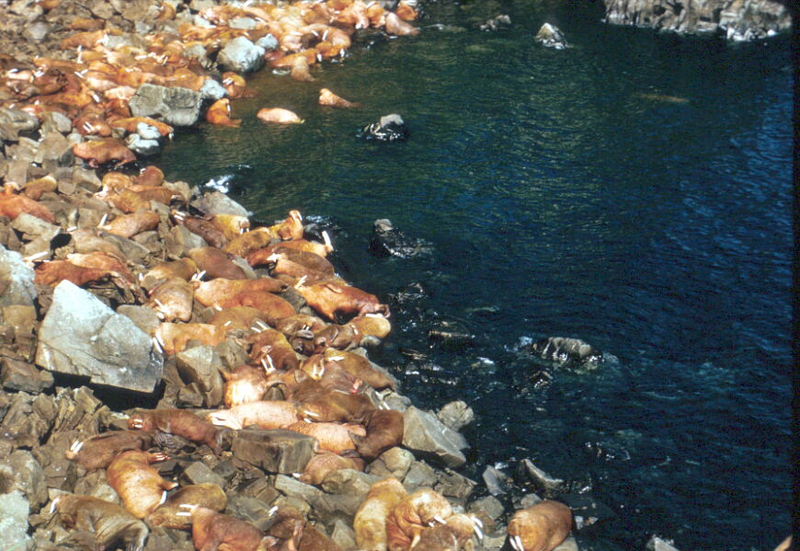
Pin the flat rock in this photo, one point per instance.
(349, 482)
(424, 432)
(176, 106)
(393, 462)
(199, 473)
(20, 471)
(275, 451)
(82, 336)
(294, 488)
(16, 279)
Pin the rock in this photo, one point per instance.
(349, 482)
(453, 485)
(393, 462)
(55, 147)
(586, 510)
(141, 146)
(244, 23)
(456, 415)
(568, 544)
(387, 240)
(269, 42)
(55, 121)
(34, 226)
(540, 479)
(390, 128)
(497, 482)
(199, 473)
(82, 336)
(22, 376)
(451, 334)
(14, 511)
(489, 507)
(424, 432)
(15, 123)
(250, 509)
(36, 31)
(96, 484)
(217, 202)
(176, 106)
(567, 352)
(144, 317)
(241, 55)
(213, 90)
(261, 489)
(343, 535)
(736, 19)
(294, 488)
(179, 241)
(657, 544)
(496, 23)
(22, 424)
(20, 471)
(16, 280)
(275, 451)
(420, 475)
(201, 365)
(551, 36)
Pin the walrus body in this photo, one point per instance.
(178, 422)
(207, 495)
(99, 152)
(220, 113)
(384, 430)
(212, 530)
(139, 485)
(278, 115)
(131, 224)
(542, 527)
(412, 515)
(173, 298)
(333, 437)
(218, 291)
(109, 522)
(332, 298)
(98, 451)
(370, 519)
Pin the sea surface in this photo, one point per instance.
(632, 191)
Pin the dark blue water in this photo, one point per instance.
(632, 191)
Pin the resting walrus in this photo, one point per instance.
(109, 522)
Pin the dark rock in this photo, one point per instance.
(424, 432)
(294, 488)
(82, 336)
(586, 510)
(179, 241)
(487, 507)
(251, 509)
(241, 55)
(17, 375)
(275, 451)
(261, 488)
(390, 128)
(567, 352)
(16, 279)
(541, 480)
(15, 123)
(54, 121)
(456, 414)
(343, 535)
(176, 106)
(451, 334)
(387, 240)
(453, 485)
(199, 473)
(20, 471)
(551, 36)
(21, 424)
(419, 475)
(349, 482)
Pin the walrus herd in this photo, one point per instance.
(213, 278)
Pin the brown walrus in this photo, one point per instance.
(542, 527)
(457, 533)
(97, 452)
(384, 430)
(264, 414)
(412, 515)
(370, 519)
(278, 115)
(220, 113)
(110, 523)
(212, 530)
(207, 495)
(173, 299)
(178, 422)
(333, 298)
(139, 485)
(98, 152)
(329, 99)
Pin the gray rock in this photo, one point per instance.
(424, 432)
(269, 42)
(14, 511)
(16, 279)
(489, 506)
(275, 451)
(343, 535)
(55, 147)
(54, 121)
(36, 31)
(420, 475)
(250, 509)
(179, 241)
(241, 55)
(451, 484)
(349, 482)
(142, 146)
(497, 482)
(540, 479)
(199, 473)
(217, 202)
(201, 365)
(148, 131)
(566, 351)
(456, 415)
(20, 471)
(393, 462)
(657, 544)
(82, 336)
(144, 317)
(551, 36)
(176, 106)
(14, 123)
(213, 90)
(570, 544)
(22, 376)
(244, 23)
(35, 227)
(390, 128)
(294, 488)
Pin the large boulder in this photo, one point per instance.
(16, 279)
(424, 432)
(82, 336)
(241, 55)
(14, 511)
(176, 106)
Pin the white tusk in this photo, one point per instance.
(103, 220)
(439, 519)
(163, 498)
(76, 446)
(54, 505)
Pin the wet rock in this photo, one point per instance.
(201, 366)
(551, 36)
(657, 544)
(424, 432)
(487, 507)
(82, 336)
(453, 485)
(241, 55)
(393, 400)
(217, 202)
(390, 128)
(275, 451)
(22, 376)
(20, 471)
(497, 482)
(496, 23)
(261, 489)
(250, 509)
(199, 473)
(387, 240)
(21, 424)
(451, 334)
(540, 479)
(176, 106)
(567, 352)
(14, 511)
(16, 279)
(393, 462)
(420, 475)
(586, 510)
(456, 414)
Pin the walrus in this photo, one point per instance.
(291, 228)
(220, 114)
(173, 299)
(216, 263)
(333, 298)
(541, 527)
(298, 264)
(34, 189)
(130, 200)
(212, 530)
(152, 175)
(103, 261)
(370, 519)
(208, 495)
(332, 378)
(237, 318)
(412, 515)
(321, 249)
(272, 349)
(245, 243)
(372, 325)
(263, 414)
(323, 405)
(329, 99)
(184, 268)
(273, 307)
(384, 430)
(358, 366)
(173, 337)
(325, 462)
(55, 271)
(236, 85)
(231, 225)
(301, 69)
(406, 10)
(99, 152)
(116, 181)
(178, 422)
(98, 451)
(332, 437)
(131, 224)
(139, 485)
(244, 384)
(110, 523)
(130, 125)
(456, 534)
(202, 227)
(12, 205)
(219, 290)
(278, 115)
(398, 27)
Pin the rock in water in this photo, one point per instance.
(551, 36)
(241, 55)
(387, 240)
(566, 351)
(82, 336)
(390, 128)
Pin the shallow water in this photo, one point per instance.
(632, 191)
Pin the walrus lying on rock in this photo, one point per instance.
(110, 523)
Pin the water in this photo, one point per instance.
(632, 191)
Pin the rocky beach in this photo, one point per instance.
(177, 374)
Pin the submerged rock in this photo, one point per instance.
(390, 128)
(82, 336)
(496, 23)
(567, 351)
(387, 240)
(551, 36)
(657, 544)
